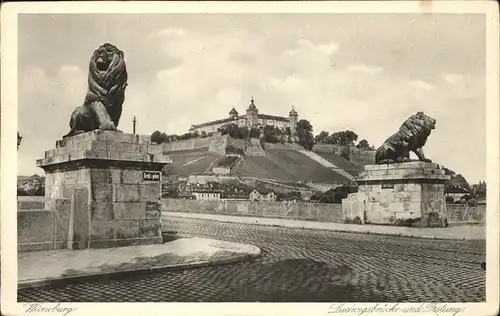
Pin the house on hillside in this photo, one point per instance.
(262, 195)
(455, 193)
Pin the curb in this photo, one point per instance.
(115, 274)
(408, 235)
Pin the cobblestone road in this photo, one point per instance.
(302, 266)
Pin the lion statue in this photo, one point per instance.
(107, 81)
(412, 136)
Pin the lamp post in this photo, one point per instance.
(134, 121)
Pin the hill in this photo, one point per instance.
(187, 162)
(281, 163)
(287, 166)
(348, 166)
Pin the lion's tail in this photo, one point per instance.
(72, 126)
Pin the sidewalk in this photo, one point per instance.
(463, 232)
(41, 268)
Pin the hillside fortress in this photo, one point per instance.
(252, 118)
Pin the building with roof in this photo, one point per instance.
(262, 194)
(250, 119)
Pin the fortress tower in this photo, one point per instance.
(294, 118)
(252, 114)
(233, 114)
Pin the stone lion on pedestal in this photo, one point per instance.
(107, 81)
(412, 136)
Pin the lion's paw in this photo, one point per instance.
(107, 126)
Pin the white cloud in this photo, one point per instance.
(372, 70)
(229, 97)
(324, 48)
(453, 79)
(420, 84)
(172, 31)
(69, 69)
(289, 82)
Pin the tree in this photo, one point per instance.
(363, 144)
(305, 135)
(254, 132)
(479, 190)
(35, 185)
(449, 172)
(270, 134)
(343, 138)
(158, 137)
(321, 138)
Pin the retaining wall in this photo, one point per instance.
(463, 214)
(187, 144)
(286, 210)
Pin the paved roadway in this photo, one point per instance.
(302, 266)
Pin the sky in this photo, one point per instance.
(363, 72)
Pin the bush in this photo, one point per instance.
(233, 150)
(254, 132)
(409, 222)
(472, 202)
(356, 221)
(226, 161)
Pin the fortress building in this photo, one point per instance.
(252, 118)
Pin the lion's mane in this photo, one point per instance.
(108, 87)
(412, 136)
(107, 81)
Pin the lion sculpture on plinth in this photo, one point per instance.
(412, 136)
(107, 81)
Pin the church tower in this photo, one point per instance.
(252, 114)
(294, 118)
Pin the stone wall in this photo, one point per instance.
(363, 157)
(275, 186)
(35, 230)
(286, 210)
(463, 214)
(30, 202)
(218, 144)
(283, 146)
(187, 144)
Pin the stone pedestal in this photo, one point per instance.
(112, 181)
(408, 194)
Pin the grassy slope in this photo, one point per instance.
(201, 159)
(348, 166)
(287, 166)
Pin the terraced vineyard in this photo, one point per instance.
(348, 166)
(287, 166)
(185, 163)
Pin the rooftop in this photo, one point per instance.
(252, 105)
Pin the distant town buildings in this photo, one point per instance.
(252, 118)
(262, 195)
(213, 191)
